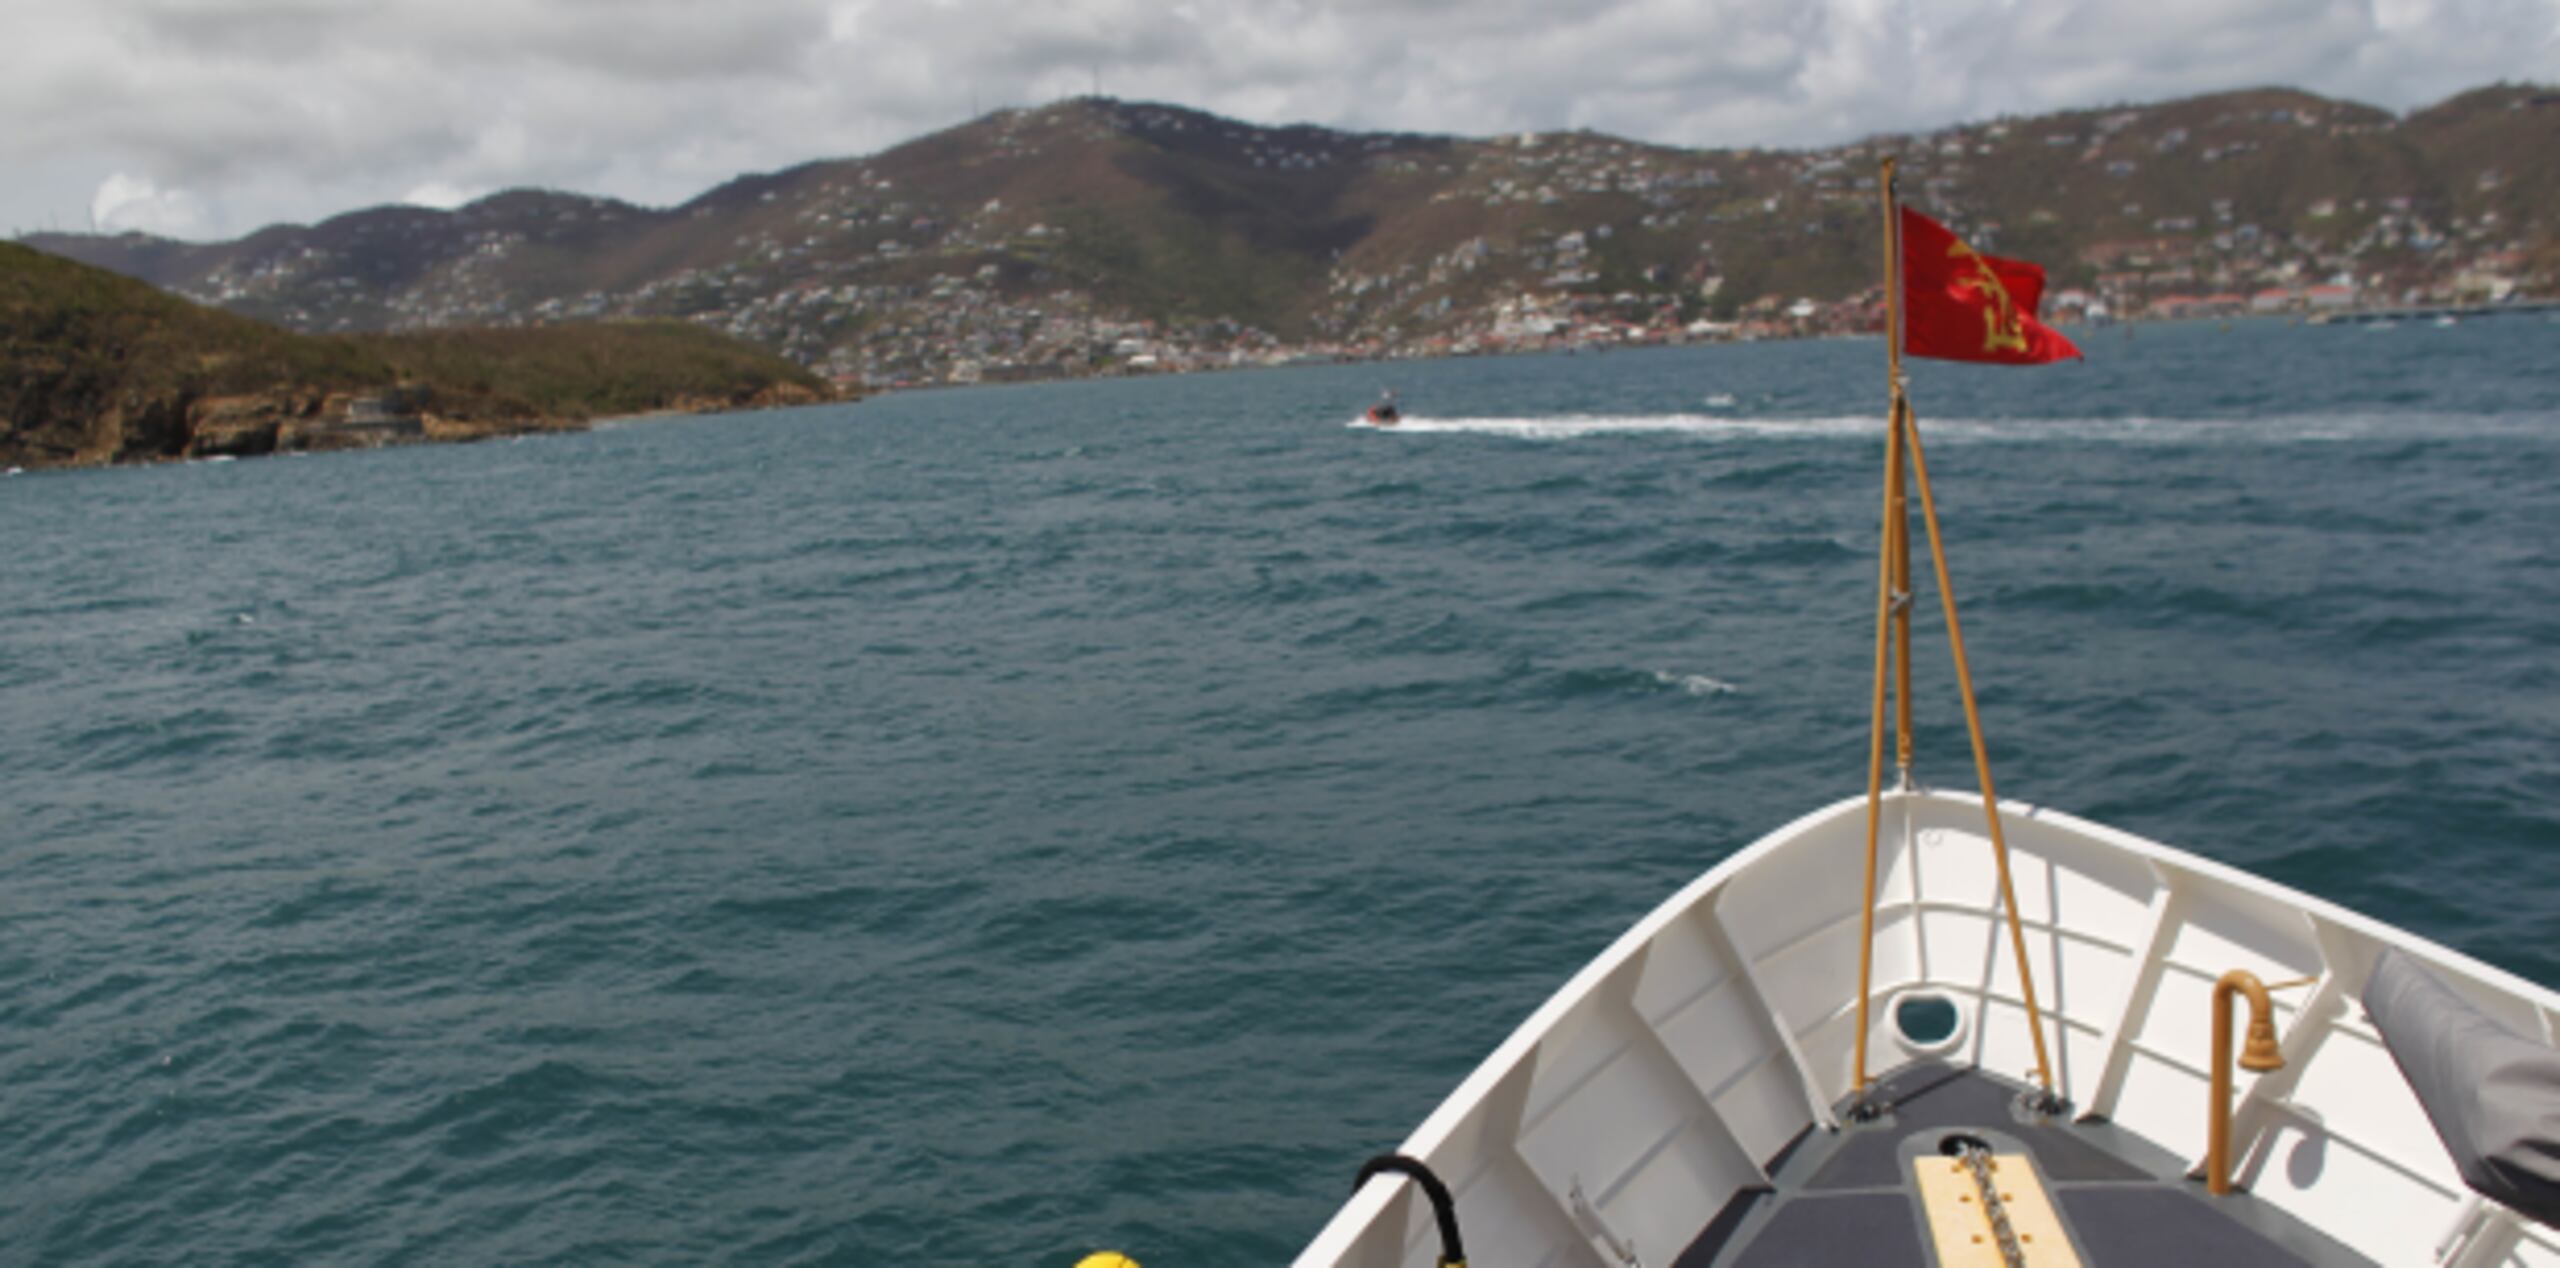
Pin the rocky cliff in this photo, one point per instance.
(96, 369)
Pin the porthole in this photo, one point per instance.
(1927, 1022)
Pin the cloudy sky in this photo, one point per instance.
(209, 118)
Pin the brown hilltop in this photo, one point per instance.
(1053, 240)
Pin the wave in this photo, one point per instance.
(1695, 684)
(2136, 430)
(1612, 681)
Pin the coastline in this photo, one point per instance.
(303, 422)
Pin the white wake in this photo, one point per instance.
(2274, 429)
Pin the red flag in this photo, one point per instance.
(1962, 305)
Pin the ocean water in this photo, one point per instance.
(984, 826)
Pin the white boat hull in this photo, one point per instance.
(1666, 1076)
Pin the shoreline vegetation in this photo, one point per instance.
(97, 369)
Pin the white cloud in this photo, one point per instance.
(265, 110)
(132, 202)
(438, 194)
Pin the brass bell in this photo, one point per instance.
(2258, 1052)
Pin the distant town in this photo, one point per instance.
(1101, 237)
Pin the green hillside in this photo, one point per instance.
(593, 369)
(99, 368)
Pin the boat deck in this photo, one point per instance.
(1852, 1197)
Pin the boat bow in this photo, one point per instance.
(1656, 1109)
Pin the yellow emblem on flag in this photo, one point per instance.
(2001, 329)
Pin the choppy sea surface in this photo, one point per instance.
(985, 826)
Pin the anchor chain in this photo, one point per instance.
(1978, 1160)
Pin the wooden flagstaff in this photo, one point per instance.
(1897, 516)
(1893, 661)
(1888, 577)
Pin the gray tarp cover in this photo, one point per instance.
(2493, 1095)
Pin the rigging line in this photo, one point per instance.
(1981, 755)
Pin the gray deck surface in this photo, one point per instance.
(1847, 1198)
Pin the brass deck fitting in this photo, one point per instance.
(2258, 1054)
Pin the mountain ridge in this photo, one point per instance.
(1097, 234)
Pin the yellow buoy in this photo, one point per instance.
(1106, 1259)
